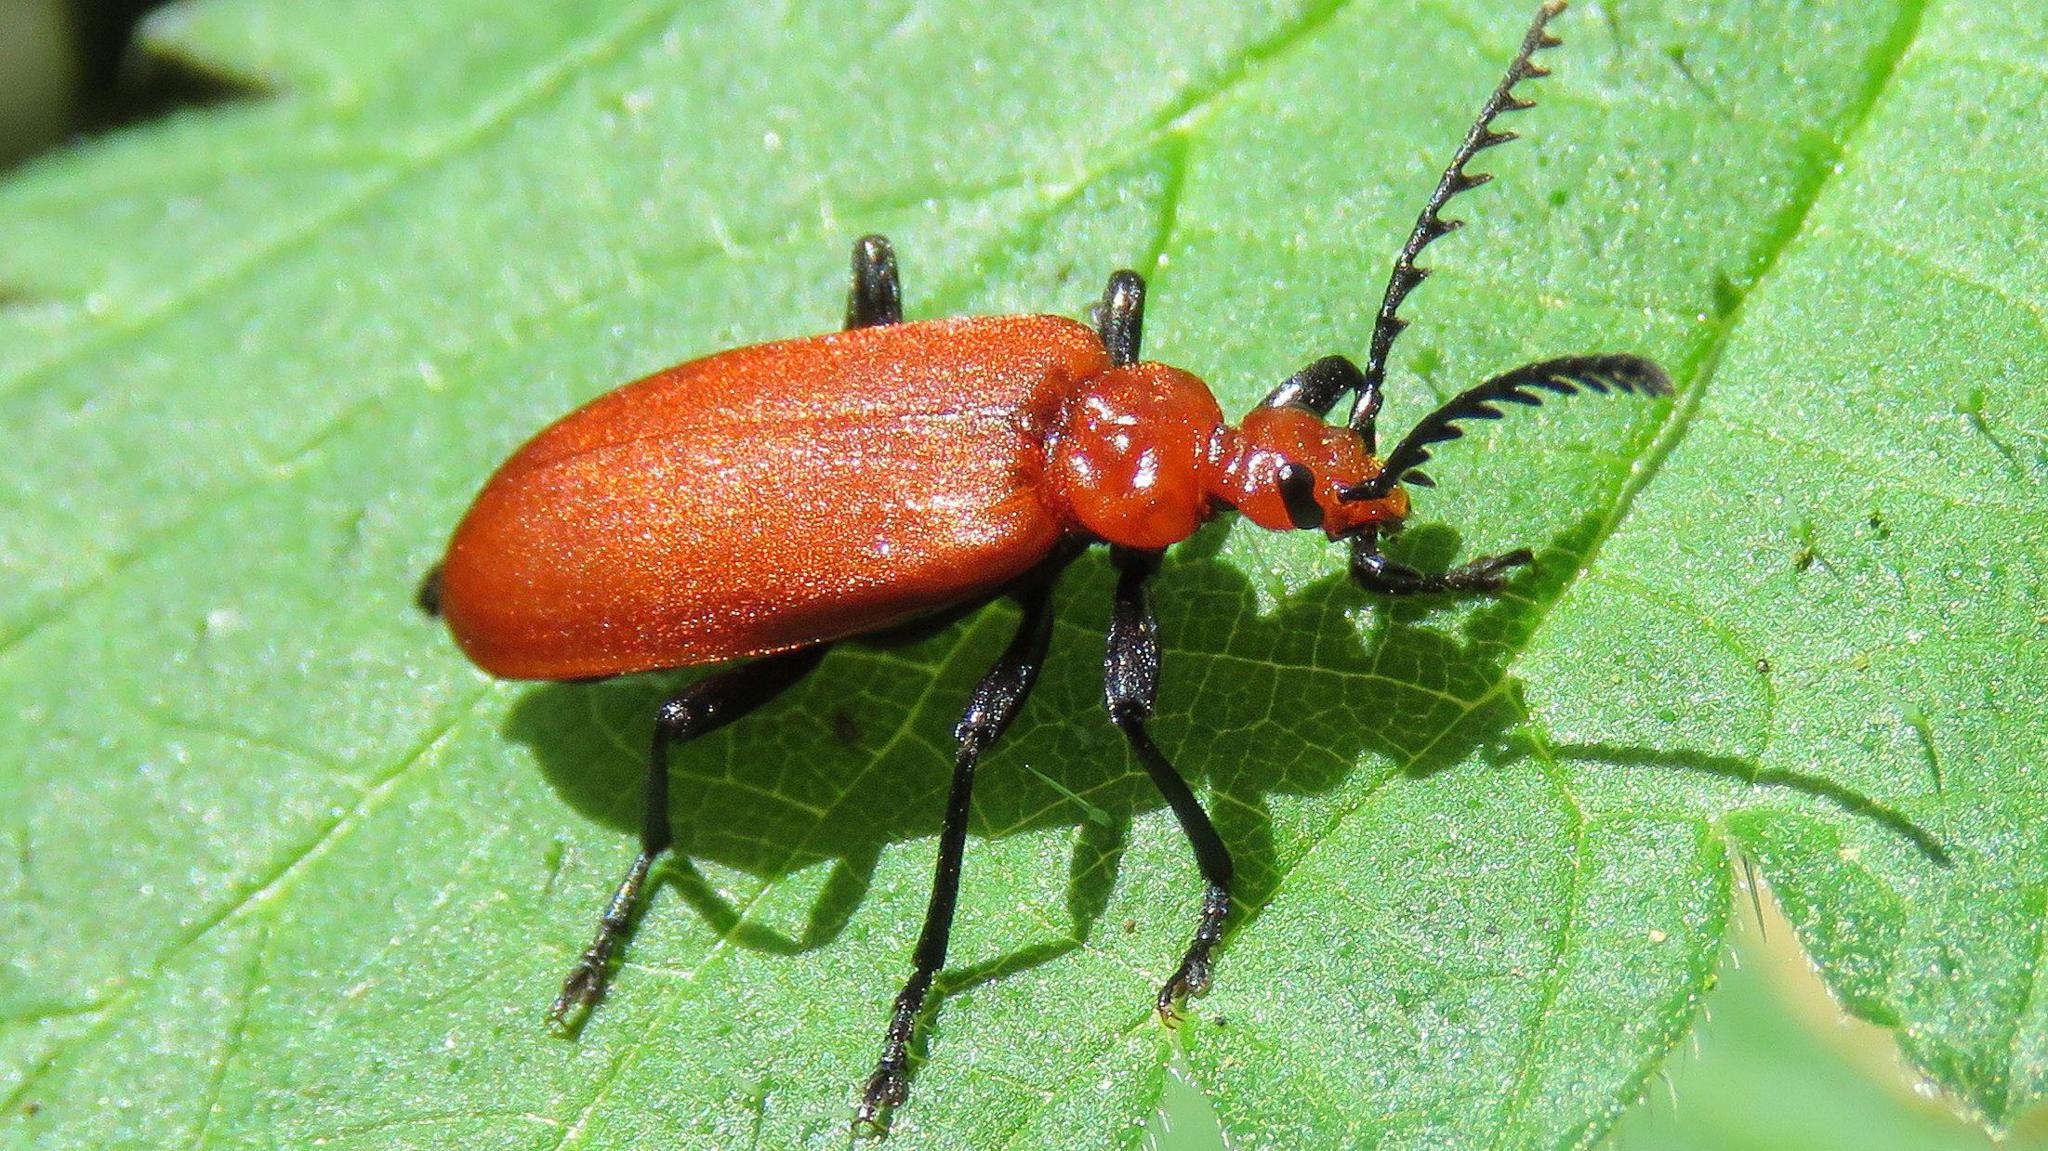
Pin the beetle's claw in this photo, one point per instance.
(580, 992)
(1190, 981)
(886, 1090)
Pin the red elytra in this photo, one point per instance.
(809, 490)
(764, 503)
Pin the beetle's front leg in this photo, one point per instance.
(1130, 685)
(1375, 572)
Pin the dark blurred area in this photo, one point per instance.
(70, 68)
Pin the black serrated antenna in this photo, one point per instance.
(1430, 225)
(1563, 376)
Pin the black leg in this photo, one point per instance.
(1120, 318)
(1318, 387)
(1130, 685)
(876, 296)
(996, 701)
(706, 705)
(1375, 572)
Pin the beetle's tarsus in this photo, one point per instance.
(1191, 978)
(586, 984)
(1190, 982)
(581, 992)
(888, 1086)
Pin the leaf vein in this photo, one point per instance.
(1791, 225)
(333, 833)
(238, 1037)
(1516, 1104)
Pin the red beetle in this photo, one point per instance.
(768, 502)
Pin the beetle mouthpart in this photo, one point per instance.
(1352, 535)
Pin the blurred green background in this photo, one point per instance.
(39, 78)
(1774, 1065)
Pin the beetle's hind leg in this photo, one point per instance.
(1130, 684)
(996, 701)
(876, 296)
(707, 705)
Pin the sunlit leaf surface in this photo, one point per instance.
(283, 870)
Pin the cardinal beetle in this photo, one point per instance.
(768, 502)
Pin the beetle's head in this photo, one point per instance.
(1283, 467)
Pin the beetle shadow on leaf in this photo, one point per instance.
(1296, 701)
(1754, 775)
(1304, 703)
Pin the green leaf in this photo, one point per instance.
(283, 870)
(1773, 1064)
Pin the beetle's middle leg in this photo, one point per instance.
(876, 296)
(704, 706)
(996, 701)
(1130, 684)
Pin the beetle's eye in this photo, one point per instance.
(1298, 494)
